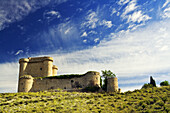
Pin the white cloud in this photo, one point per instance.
(85, 41)
(68, 30)
(11, 11)
(131, 88)
(138, 17)
(130, 54)
(118, 13)
(96, 40)
(18, 52)
(84, 34)
(91, 20)
(107, 23)
(52, 13)
(9, 77)
(113, 11)
(166, 3)
(92, 32)
(166, 13)
(123, 2)
(130, 7)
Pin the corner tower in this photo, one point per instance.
(112, 84)
(37, 67)
(34, 67)
(23, 64)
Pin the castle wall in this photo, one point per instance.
(90, 79)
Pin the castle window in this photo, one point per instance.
(40, 68)
(64, 87)
(72, 81)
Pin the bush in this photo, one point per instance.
(164, 83)
(91, 89)
(147, 86)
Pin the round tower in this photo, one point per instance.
(93, 78)
(25, 83)
(112, 84)
(23, 64)
(48, 66)
(55, 68)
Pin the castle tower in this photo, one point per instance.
(92, 78)
(23, 64)
(112, 84)
(25, 83)
(37, 67)
(48, 66)
(34, 67)
(55, 68)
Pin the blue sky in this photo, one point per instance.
(129, 37)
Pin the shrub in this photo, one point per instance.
(91, 89)
(147, 86)
(164, 83)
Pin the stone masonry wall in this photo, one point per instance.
(90, 79)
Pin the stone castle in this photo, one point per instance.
(39, 73)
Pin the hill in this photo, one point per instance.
(144, 100)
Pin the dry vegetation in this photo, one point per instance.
(144, 100)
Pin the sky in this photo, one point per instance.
(129, 37)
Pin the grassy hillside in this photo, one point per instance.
(145, 100)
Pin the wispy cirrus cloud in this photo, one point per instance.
(51, 15)
(91, 20)
(106, 23)
(12, 11)
(123, 2)
(132, 5)
(138, 17)
(133, 13)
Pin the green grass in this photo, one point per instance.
(139, 101)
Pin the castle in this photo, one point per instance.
(39, 73)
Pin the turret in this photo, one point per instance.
(112, 84)
(25, 83)
(55, 68)
(23, 64)
(93, 78)
(48, 66)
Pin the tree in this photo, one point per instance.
(106, 74)
(164, 83)
(152, 81)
